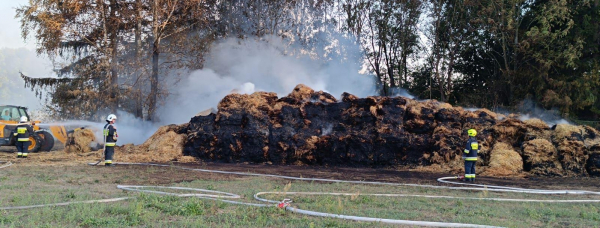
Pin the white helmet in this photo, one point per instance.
(111, 117)
(23, 119)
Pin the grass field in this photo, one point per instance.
(31, 185)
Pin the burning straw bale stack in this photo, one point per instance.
(314, 128)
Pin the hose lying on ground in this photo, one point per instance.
(5, 164)
(225, 197)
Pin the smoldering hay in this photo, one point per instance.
(309, 127)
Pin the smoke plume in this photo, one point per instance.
(270, 64)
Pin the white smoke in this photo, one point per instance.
(401, 92)
(129, 128)
(246, 66)
(530, 109)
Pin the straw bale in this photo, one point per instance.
(537, 129)
(484, 111)
(346, 97)
(164, 146)
(301, 92)
(566, 131)
(536, 123)
(572, 156)
(80, 141)
(540, 157)
(323, 97)
(509, 130)
(509, 127)
(470, 114)
(504, 161)
(593, 163)
(591, 138)
(434, 104)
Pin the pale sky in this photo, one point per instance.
(10, 28)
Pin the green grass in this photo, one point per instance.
(20, 186)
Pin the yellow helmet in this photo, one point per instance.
(472, 132)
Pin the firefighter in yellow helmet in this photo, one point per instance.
(470, 155)
(23, 131)
(110, 139)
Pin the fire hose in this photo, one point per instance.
(286, 203)
(5, 164)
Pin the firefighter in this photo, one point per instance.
(110, 139)
(23, 132)
(470, 155)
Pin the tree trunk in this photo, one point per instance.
(439, 79)
(450, 69)
(154, 77)
(114, 78)
(391, 75)
(153, 81)
(139, 105)
(436, 47)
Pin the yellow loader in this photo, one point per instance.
(42, 140)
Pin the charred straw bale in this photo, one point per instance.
(537, 129)
(541, 158)
(313, 128)
(510, 131)
(302, 93)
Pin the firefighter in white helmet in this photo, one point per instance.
(23, 131)
(110, 139)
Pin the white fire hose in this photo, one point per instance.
(226, 197)
(5, 164)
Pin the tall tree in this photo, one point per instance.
(84, 34)
(169, 19)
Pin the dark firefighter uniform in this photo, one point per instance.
(22, 133)
(110, 141)
(470, 155)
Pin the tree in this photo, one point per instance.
(387, 32)
(169, 19)
(563, 46)
(92, 38)
(84, 34)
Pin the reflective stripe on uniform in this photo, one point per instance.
(19, 153)
(108, 161)
(23, 139)
(466, 151)
(21, 130)
(24, 154)
(471, 159)
(475, 146)
(111, 144)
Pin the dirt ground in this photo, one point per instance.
(398, 175)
